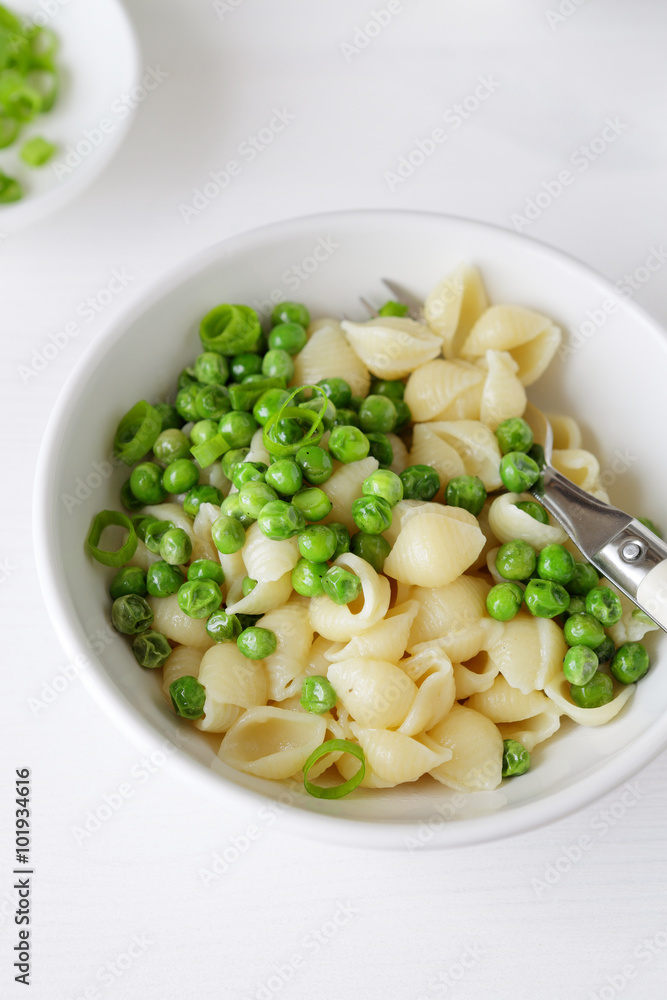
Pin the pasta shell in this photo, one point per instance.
(476, 446)
(476, 747)
(436, 691)
(454, 306)
(344, 486)
(264, 597)
(508, 522)
(441, 390)
(442, 610)
(232, 683)
(328, 354)
(430, 448)
(341, 621)
(503, 395)
(183, 661)
(432, 550)
(387, 640)
(394, 758)
(558, 690)
(377, 694)
(272, 742)
(529, 652)
(531, 339)
(391, 346)
(286, 666)
(267, 560)
(176, 625)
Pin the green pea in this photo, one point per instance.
(186, 377)
(599, 690)
(503, 602)
(467, 492)
(346, 418)
(380, 448)
(315, 464)
(355, 403)
(584, 579)
(534, 509)
(545, 598)
(175, 547)
(605, 651)
(223, 627)
(199, 598)
(169, 416)
(516, 560)
(420, 482)
(403, 415)
(518, 472)
(131, 614)
(391, 308)
(230, 458)
(203, 431)
(516, 759)
(290, 337)
(340, 585)
(269, 403)
(146, 483)
(245, 364)
(307, 577)
(188, 697)
(290, 312)
(151, 649)
(348, 444)
(228, 534)
(555, 563)
(313, 503)
(256, 643)
(317, 404)
(373, 548)
(128, 580)
(583, 630)
(198, 495)
(394, 388)
(153, 532)
(342, 538)
(237, 427)
(630, 662)
(285, 477)
(253, 496)
(605, 605)
(580, 665)
(377, 414)
(577, 605)
(163, 579)
(651, 525)
(248, 585)
(206, 569)
(371, 514)
(127, 497)
(290, 430)
(231, 507)
(279, 520)
(180, 476)
(278, 364)
(211, 368)
(317, 695)
(186, 401)
(337, 390)
(213, 402)
(171, 446)
(248, 472)
(247, 620)
(384, 483)
(514, 434)
(317, 543)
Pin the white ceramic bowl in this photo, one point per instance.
(613, 383)
(99, 62)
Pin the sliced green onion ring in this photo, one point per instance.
(338, 791)
(112, 557)
(314, 435)
(137, 432)
(208, 451)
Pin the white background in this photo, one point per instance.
(530, 921)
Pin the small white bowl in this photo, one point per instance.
(613, 384)
(99, 64)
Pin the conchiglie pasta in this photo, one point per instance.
(344, 486)
(183, 661)
(476, 748)
(171, 512)
(143, 557)
(390, 346)
(327, 355)
(267, 560)
(393, 758)
(531, 339)
(433, 549)
(504, 703)
(400, 457)
(431, 669)
(566, 431)
(507, 522)
(529, 652)
(258, 452)
(503, 395)
(476, 446)
(232, 683)
(444, 390)
(429, 448)
(454, 306)
(286, 666)
(203, 547)
(176, 625)
(341, 621)
(446, 609)
(264, 597)
(558, 690)
(579, 466)
(387, 640)
(377, 694)
(272, 742)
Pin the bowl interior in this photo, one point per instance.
(99, 71)
(612, 382)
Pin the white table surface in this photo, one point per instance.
(290, 918)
